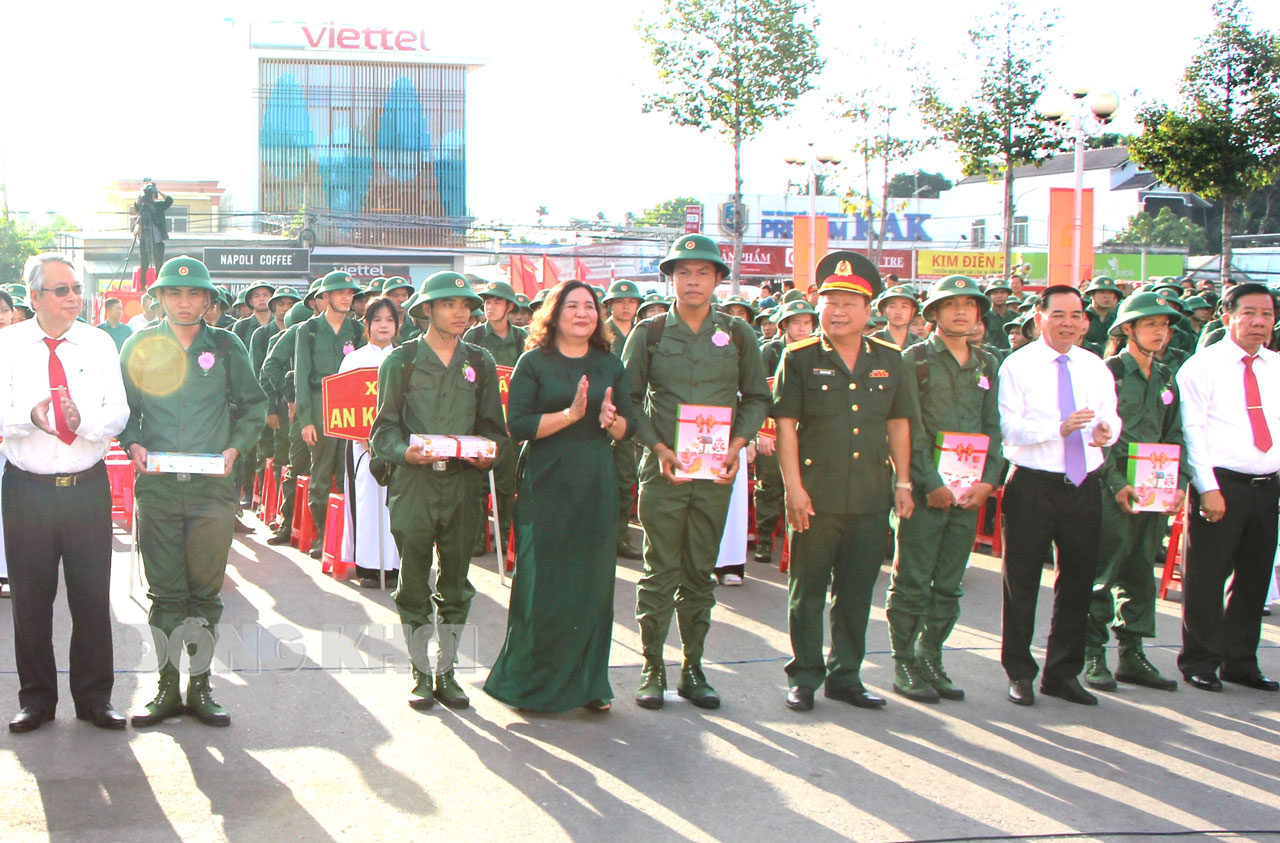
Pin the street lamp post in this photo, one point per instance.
(811, 162)
(1072, 116)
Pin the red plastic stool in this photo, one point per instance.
(1176, 555)
(784, 559)
(120, 476)
(303, 530)
(995, 539)
(334, 524)
(270, 493)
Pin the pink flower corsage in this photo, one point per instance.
(205, 361)
(347, 348)
(719, 339)
(470, 374)
(1166, 397)
(983, 383)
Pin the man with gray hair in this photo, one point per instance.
(62, 400)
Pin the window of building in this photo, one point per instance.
(1020, 226)
(178, 218)
(978, 234)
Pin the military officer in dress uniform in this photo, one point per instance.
(321, 343)
(436, 383)
(1124, 591)
(898, 305)
(844, 410)
(956, 386)
(191, 391)
(691, 355)
(505, 343)
(622, 301)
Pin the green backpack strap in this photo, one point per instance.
(1116, 365)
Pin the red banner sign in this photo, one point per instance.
(504, 386)
(350, 403)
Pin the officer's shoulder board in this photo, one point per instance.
(885, 343)
(804, 343)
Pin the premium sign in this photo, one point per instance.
(350, 401)
(335, 37)
(258, 261)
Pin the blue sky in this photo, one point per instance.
(554, 116)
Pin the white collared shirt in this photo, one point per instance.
(1215, 421)
(1029, 418)
(92, 365)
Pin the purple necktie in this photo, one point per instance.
(1073, 445)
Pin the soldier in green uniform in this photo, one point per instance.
(190, 390)
(956, 387)
(898, 305)
(399, 290)
(844, 408)
(523, 314)
(505, 343)
(277, 381)
(437, 384)
(275, 436)
(765, 326)
(691, 355)
(1198, 312)
(1003, 311)
(258, 298)
(738, 306)
(1124, 591)
(1103, 296)
(322, 341)
(622, 301)
(653, 304)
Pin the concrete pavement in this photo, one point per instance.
(323, 746)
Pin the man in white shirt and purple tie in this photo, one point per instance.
(61, 401)
(1057, 413)
(1231, 421)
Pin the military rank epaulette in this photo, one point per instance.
(885, 343)
(804, 343)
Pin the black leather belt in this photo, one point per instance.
(1241, 477)
(60, 480)
(1057, 476)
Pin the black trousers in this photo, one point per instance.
(152, 252)
(1041, 510)
(1241, 546)
(46, 524)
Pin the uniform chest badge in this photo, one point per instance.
(879, 373)
(826, 373)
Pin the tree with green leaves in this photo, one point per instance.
(1222, 141)
(20, 240)
(667, 214)
(731, 66)
(922, 184)
(996, 128)
(1164, 229)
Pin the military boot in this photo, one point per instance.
(1134, 669)
(168, 701)
(200, 702)
(449, 692)
(907, 682)
(694, 686)
(931, 671)
(1096, 673)
(653, 684)
(422, 697)
(626, 550)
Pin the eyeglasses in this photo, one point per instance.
(61, 292)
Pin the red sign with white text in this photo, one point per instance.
(350, 402)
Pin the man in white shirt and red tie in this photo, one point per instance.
(61, 400)
(1057, 413)
(1231, 423)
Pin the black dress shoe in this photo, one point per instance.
(1256, 681)
(854, 696)
(103, 716)
(1020, 692)
(30, 719)
(1204, 681)
(800, 698)
(279, 539)
(1067, 689)
(316, 553)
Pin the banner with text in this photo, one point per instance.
(350, 401)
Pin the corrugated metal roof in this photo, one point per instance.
(1094, 159)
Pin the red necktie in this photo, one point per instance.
(1253, 403)
(58, 378)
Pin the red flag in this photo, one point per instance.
(580, 270)
(550, 274)
(523, 276)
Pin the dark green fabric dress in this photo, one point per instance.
(559, 626)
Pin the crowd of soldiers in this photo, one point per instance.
(860, 378)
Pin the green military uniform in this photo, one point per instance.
(274, 443)
(505, 351)
(841, 419)
(433, 506)
(249, 463)
(626, 453)
(1124, 591)
(119, 332)
(902, 291)
(244, 328)
(1095, 339)
(318, 352)
(653, 304)
(683, 523)
(408, 327)
(202, 399)
(996, 321)
(934, 544)
(277, 381)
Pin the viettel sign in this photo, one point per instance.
(333, 37)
